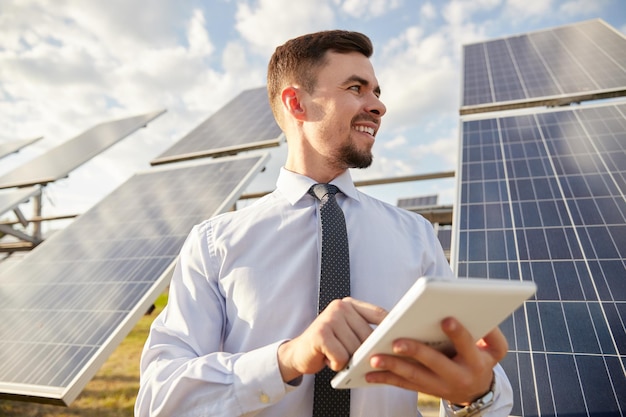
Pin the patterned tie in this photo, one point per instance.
(334, 283)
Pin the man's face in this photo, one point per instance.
(345, 110)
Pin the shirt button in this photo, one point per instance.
(264, 398)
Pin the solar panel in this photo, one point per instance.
(61, 160)
(551, 67)
(244, 123)
(10, 199)
(71, 300)
(8, 148)
(542, 198)
(416, 202)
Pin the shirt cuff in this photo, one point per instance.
(502, 402)
(258, 382)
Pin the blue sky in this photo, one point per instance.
(67, 65)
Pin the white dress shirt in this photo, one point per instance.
(246, 281)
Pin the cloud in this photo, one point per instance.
(65, 68)
(443, 150)
(273, 22)
(428, 11)
(199, 42)
(368, 9)
(581, 8)
(396, 142)
(524, 9)
(458, 12)
(419, 77)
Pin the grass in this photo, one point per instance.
(112, 392)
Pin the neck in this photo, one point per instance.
(318, 170)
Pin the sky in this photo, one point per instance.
(66, 65)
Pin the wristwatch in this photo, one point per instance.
(476, 406)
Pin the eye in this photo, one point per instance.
(356, 88)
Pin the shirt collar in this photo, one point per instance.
(294, 186)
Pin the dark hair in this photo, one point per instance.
(297, 60)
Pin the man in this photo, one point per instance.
(241, 334)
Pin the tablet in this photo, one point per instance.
(479, 304)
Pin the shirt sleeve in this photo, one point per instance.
(183, 370)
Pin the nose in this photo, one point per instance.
(376, 106)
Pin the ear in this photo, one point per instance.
(291, 99)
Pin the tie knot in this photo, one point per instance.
(321, 190)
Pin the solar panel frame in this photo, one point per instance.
(541, 196)
(169, 200)
(7, 148)
(244, 123)
(10, 199)
(524, 71)
(58, 162)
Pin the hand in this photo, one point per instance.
(459, 379)
(330, 340)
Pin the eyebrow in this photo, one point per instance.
(362, 81)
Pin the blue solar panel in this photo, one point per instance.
(244, 123)
(61, 160)
(70, 301)
(561, 65)
(542, 198)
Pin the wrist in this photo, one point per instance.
(287, 372)
(479, 404)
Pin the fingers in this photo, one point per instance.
(370, 312)
(331, 339)
(459, 379)
(346, 324)
(496, 343)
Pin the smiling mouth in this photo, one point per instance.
(365, 129)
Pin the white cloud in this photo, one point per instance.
(273, 22)
(581, 8)
(428, 11)
(234, 57)
(369, 9)
(419, 78)
(524, 9)
(445, 150)
(396, 142)
(65, 68)
(199, 42)
(458, 12)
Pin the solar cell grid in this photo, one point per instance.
(73, 298)
(476, 86)
(506, 78)
(536, 78)
(421, 201)
(560, 65)
(246, 122)
(554, 211)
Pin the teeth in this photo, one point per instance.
(365, 129)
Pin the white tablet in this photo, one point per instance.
(479, 304)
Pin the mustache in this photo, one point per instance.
(365, 117)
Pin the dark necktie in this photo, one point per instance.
(334, 283)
